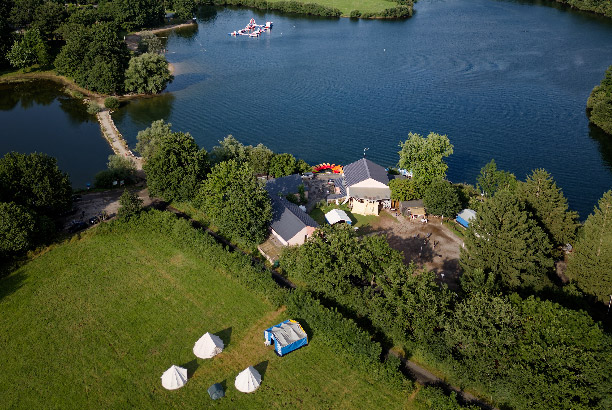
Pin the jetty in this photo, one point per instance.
(115, 139)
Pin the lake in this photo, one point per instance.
(39, 117)
(504, 80)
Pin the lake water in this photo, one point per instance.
(504, 80)
(39, 117)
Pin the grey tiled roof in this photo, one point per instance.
(364, 169)
(288, 219)
(284, 185)
(339, 182)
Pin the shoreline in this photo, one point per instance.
(115, 139)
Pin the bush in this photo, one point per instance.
(131, 205)
(284, 6)
(111, 103)
(355, 14)
(147, 74)
(93, 108)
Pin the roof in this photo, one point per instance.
(339, 182)
(374, 194)
(284, 185)
(467, 214)
(416, 203)
(288, 219)
(364, 169)
(337, 215)
(287, 332)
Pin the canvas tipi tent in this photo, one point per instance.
(174, 378)
(208, 346)
(248, 380)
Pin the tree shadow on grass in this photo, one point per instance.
(10, 284)
(261, 368)
(225, 335)
(191, 367)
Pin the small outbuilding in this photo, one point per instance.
(208, 346)
(464, 217)
(248, 380)
(286, 336)
(337, 215)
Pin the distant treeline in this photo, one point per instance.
(603, 7)
(599, 104)
(403, 10)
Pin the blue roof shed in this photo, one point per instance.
(465, 217)
(286, 336)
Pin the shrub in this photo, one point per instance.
(93, 108)
(355, 14)
(111, 103)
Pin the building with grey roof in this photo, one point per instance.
(290, 225)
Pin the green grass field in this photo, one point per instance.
(94, 322)
(346, 6)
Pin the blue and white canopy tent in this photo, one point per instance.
(287, 337)
(465, 217)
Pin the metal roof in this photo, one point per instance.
(364, 169)
(284, 185)
(288, 219)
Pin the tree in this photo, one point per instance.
(23, 11)
(506, 241)
(441, 199)
(184, 8)
(48, 17)
(548, 205)
(236, 202)
(119, 169)
(147, 74)
(132, 14)
(425, 157)
(29, 50)
(16, 228)
(6, 36)
(148, 139)
(150, 43)
(176, 168)
(36, 182)
(96, 57)
(492, 180)
(282, 165)
(130, 205)
(230, 148)
(259, 159)
(599, 104)
(590, 265)
(483, 333)
(403, 189)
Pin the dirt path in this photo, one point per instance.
(115, 139)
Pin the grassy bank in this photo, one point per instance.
(94, 322)
(31, 74)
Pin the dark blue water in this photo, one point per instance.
(503, 80)
(39, 117)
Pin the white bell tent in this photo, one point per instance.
(208, 346)
(248, 380)
(175, 377)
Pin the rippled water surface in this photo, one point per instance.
(39, 117)
(503, 80)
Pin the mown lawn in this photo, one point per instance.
(93, 323)
(346, 6)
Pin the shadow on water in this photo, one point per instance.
(206, 13)
(28, 93)
(604, 141)
(261, 368)
(225, 335)
(142, 110)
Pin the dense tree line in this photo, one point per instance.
(33, 191)
(599, 104)
(223, 184)
(93, 52)
(603, 7)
